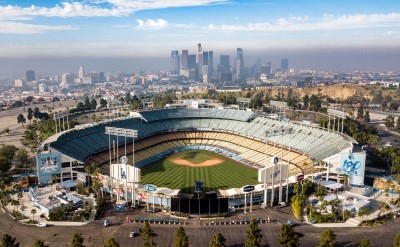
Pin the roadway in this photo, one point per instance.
(199, 235)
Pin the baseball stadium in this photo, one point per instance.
(223, 148)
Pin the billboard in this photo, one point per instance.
(353, 164)
(274, 172)
(125, 173)
(47, 165)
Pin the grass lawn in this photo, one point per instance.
(229, 174)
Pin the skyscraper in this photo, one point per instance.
(192, 62)
(184, 59)
(30, 76)
(210, 62)
(223, 63)
(175, 62)
(285, 64)
(199, 61)
(81, 72)
(239, 63)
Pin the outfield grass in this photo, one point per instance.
(229, 174)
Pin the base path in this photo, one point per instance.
(210, 162)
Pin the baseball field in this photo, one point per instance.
(180, 170)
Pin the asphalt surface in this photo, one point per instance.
(199, 234)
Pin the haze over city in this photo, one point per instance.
(55, 36)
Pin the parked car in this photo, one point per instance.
(41, 224)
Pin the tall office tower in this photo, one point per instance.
(285, 65)
(81, 72)
(223, 63)
(199, 61)
(192, 62)
(175, 62)
(205, 57)
(258, 65)
(266, 69)
(184, 59)
(239, 62)
(30, 76)
(210, 62)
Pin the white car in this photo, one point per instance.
(41, 224)
(131, 234)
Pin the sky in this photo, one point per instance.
(50, 35)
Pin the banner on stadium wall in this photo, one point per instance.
(48, 164)
(275, 173)
(125, 173)
(353, 164)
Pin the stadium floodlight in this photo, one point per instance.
(336, 114)
(57, 116)
(271, 132)
(124, 133)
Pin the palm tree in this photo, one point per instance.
(15, 203)
(20, 195)
(33, 212)
(53, 178)
(345, 180)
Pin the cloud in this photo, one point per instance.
(25, 28)
(159, 24)
(96, 8)
(154, 24)
(328, 22)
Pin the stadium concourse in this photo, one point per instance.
(241, 134)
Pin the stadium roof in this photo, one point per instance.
(163, 114)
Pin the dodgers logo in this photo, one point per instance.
(351, 167)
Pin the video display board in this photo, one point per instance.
(353, 164)
(47, 165)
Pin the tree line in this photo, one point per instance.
(288, 238)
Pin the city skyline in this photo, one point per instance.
(354, 35)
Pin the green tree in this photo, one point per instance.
(365, 243)
(8, 241)
(110, 242)
(398, 124)
(367, 118)
(253, 234)
(181, 239)
(36, 113)
(20, 195)
(363, 211)
(39, 243)
(306, 101)
(328, 238)
(389, 122)
(87, 102)
(29, 116)
(15, 203)
(77, 240)
(396, 242)
(147, 236)
(5, 165)
(218, 240)
(22, 156)
(93, 104)
(103, 102)
(21, 119)
(33, 212)
(289, 237)
(8, 151)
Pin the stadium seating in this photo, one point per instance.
(241, 133)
